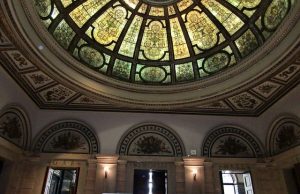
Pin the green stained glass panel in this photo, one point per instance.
(246, 43)
(216, 62)
(122, 69)
(129, 43)
(91, 56)
(275, 13)
(66, 3)
(157, 11)
(86, 10)
(132, 3)
(229, 20)
(155, 44)
(244, 3)
(109, 25)
(63, 34)
(184, 72)
(202, 31)
(153, 74)
(184, 4)
(43, 7)
(179, 43)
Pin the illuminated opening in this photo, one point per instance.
(236, 182)
(150, 181)
(61, 181)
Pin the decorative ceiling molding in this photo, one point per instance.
(50, 91)
(151, 139)
(67, 136)
(284, 134)
(15, 126)
(231, 141)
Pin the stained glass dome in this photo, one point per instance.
(161, 42)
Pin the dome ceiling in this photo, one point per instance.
(161, 42)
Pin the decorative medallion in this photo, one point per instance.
(151, 140)
(15, 127)
(284, 134)
(231, 142)
(67, 137)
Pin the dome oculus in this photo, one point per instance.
(161, 42)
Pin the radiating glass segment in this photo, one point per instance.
(240, 4)
(154, 44)
(202, 31)
(229, 20)
(108, 27)
(161, 42)
(66, 3)
(179, 43)
(63, 34)
(129, 43)
(86, 10)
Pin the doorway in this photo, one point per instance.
(150, 181)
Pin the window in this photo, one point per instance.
(61, 181)
(150, 182)
(236, 182)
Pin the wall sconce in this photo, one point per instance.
(195, 174)
(105, 172)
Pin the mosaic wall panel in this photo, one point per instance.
(231, 142)
(151, 140)
(67, 137)
(15, 126)
(284, 134)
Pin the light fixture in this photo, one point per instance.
(195, 174)
(105, 172)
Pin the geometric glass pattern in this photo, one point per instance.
(161, 42)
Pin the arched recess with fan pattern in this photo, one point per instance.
(150, 139)
(284, 134)
(232, 142)
(67, 136)
(15, 126)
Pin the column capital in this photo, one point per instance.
(107, 159)
(193, 161)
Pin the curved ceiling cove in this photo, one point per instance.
(161, 42)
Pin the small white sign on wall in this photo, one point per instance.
(193, 152)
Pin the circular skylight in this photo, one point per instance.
(161, 42)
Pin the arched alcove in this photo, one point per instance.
(67, 136)
(283, 135)
(150, 139)
(15, 126)
(231, 141)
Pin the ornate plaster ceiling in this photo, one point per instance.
(54, 78)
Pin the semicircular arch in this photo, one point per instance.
(231, 141)
(284, 134)
(151, 139)
(15, 126)
(67, 136)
